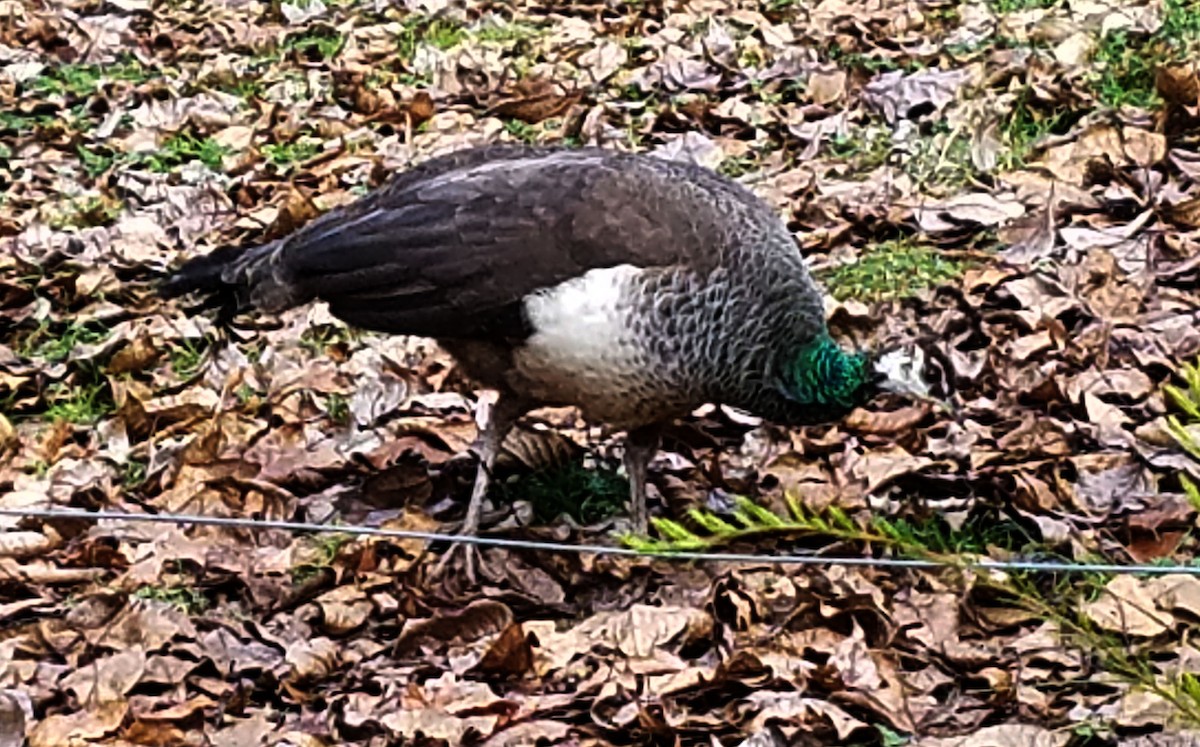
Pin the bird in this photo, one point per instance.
(633, 287)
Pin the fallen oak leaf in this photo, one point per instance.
(510, 654)
(533, 100)
(1178, 84)
(886, 423)
(1128, 607)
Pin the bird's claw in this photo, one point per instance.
(470, 559)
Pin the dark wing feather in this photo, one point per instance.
(450, 249)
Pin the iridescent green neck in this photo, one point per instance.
(825, 376)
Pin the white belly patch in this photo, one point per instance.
(583, 349)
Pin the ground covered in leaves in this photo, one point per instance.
(1017, 181)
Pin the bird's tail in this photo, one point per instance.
(233, 279)
(201, 275)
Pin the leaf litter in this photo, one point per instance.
(1031, 168)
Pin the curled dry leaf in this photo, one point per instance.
(25, 544)
(886, 423)
(478, 619)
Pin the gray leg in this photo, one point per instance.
(495, 427)
(640, 446)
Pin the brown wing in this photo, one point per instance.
(451, 248)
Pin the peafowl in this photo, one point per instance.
(633, 287)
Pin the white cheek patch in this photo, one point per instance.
(904, 370)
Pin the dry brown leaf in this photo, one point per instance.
(1128, 607)
(86, 725)
(1002, 735)
(24, 544)
(1178, 84)
(108, 679)
(886, 423)
(344, 609)
(509, 655)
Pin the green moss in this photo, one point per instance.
(891, 270)
(586, 495)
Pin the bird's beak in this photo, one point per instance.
(901, 370)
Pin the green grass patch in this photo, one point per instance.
(1180, 29)
(891, 270)
(287, 154)
(865, 63)
(324, 549)
(24, 123)
(586, 495)
(1126, 62)
(522, 131)
(504, 33)
(183, 598)
(337, 406)
(85, 212)
(1027, 125)
(96, 162)
(865, 150)
(445, 33)
(941, 157)
(1017, 6)
(133, 473)
(319, 44)
(184, 147)
(187, 355)
(1126, 71)
(53, 344)
(737, 166)
(83, 80)
(439, 33)
(82, 404)
(317, 339)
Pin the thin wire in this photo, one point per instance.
(1038, 566)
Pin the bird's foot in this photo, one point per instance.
(470, 562)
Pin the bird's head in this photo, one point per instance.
(834, 381)
(828, 378)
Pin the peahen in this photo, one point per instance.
(633, 287)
